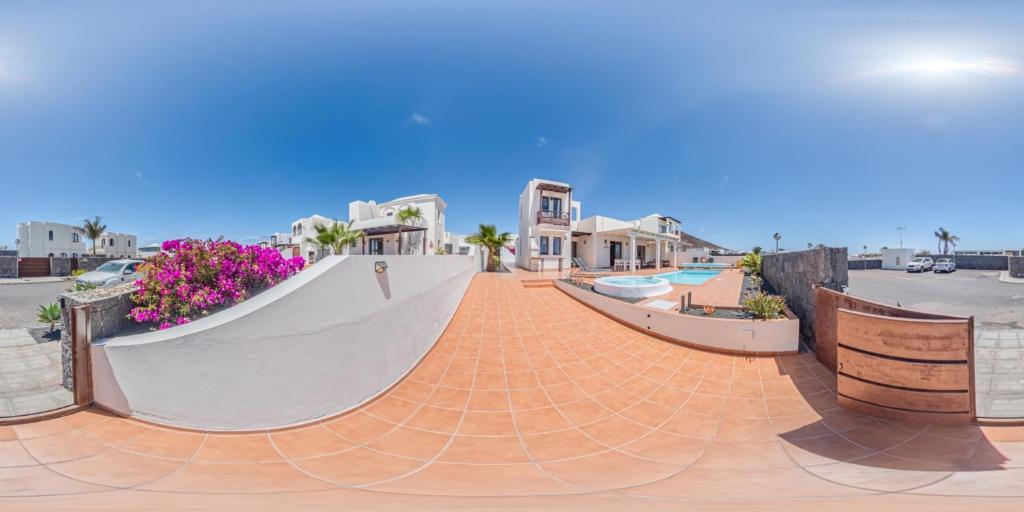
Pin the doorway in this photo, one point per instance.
(614, 252)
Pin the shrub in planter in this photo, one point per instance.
(190, 278)
(765, 306)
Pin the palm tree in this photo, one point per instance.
(334, 237)
(489, 238)
(93, 229)
(757, 250)
(406, 217)
(777, 237)
(946, 239)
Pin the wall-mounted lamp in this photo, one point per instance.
(380, 266)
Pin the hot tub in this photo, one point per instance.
(632, 287)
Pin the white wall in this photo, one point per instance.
(754, 337)
(36, 243)
(321, 343)
(896, 259)
(688, 255)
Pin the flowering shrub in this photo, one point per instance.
(191, 277)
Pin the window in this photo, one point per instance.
(129, 243)
(51, 236)
(544, 245)
(575, 213)
(556, 204)
(544, 203)
(75, 238)
(63, 255)
(111, 242)
(556, 245)
(103, 242)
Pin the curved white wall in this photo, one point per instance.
(322, 342)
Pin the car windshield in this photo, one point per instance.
(918, 260)
(113, 268)
(944, 260)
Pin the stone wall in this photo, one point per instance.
(109, 315)
(1016, 265)
(8, 266)
(8, 252)
(90, 263)
(865, 264)
(795, 274)
(974, 262)
(60, 266)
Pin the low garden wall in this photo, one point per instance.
(60, 266)
(108, 316)
(870, 264)
(794, 275)
(1016, 266)
(8, 266)
(323, 342)
(734, 336)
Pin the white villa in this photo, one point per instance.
(380, 225)
(38, 239)
(546, 227)
(303, 229)
(547, 218)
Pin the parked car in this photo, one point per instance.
(944, 265)
(111, 273)
(149, 251)
(920, 264)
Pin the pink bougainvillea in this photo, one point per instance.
(192, 277)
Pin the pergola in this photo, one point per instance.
(658, 238)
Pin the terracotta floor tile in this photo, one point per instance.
(40, 481)
(263, 478)
(765, 455)
(116, 468)
(481, 400)
(536, 421)
(487, 423)
(615, 431)
(477, 480)
(560, 445)
(484, 450)
(166, 444)
(698, 426)
(609, 470)
(12, 454)
(584, 411)
(667, 448)
(414, 444)
(746, 430)
(449, 398)
(436, 419)
(309, 442)
(237, 448)
(62, 447)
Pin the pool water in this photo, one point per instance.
(690, 276)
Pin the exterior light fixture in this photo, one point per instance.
(380, 266)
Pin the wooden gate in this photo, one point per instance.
(33, 267)
(906, 368)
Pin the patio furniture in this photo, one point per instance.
(582, 270)
(621, 265)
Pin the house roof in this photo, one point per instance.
(383, 226)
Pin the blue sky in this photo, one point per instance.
(830, 122)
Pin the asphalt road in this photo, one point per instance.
(962, 293)
(19, 302)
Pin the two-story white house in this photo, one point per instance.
(380, 226)
(38, 239)
(547, 217)
(118, 245)
(302, 230)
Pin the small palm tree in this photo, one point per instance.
(334, 237)
(946, 239)
(93, 230)
(407, 216)
(489, 238)
(777, 237)
(751, 262)
(757, 250)
(49, 315)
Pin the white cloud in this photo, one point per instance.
(934, 67)
(138, 176)
(541, 142)
(418, 118)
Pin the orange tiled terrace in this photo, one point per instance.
(532, 400)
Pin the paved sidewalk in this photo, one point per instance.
(999, 372)
(30, 375)
(32, 280)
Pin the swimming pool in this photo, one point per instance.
(690, 276)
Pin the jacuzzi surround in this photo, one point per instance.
(632, 287)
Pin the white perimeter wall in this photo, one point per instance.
(731, 335)
(322, 342)
(896, 259)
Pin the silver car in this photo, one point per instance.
(944, 265)
(111, 273)
(920, 264)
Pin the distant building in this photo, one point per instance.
(304, 229)
(896, 259)
(117, 245)
(38, 239)
(380, 226)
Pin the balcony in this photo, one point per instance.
(556, 218)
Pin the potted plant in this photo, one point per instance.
(709, 310)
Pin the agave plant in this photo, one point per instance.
(764, 306)
(49, 314)
(81, 287)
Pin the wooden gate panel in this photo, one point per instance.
(33, 267)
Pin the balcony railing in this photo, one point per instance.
(553, 217)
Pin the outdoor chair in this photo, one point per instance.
(582, 270)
